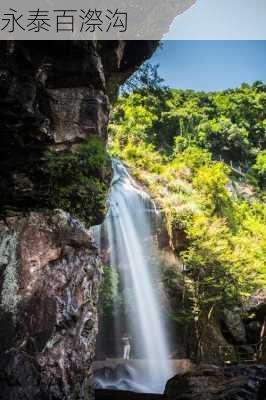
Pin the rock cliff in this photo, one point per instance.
(50, 277)
(54, 114)
(55, 99)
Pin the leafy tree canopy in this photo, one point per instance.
(202, 157)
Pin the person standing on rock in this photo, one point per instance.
(127, 347)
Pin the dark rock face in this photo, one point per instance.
(53, 119)
(50, 279)
(242, 382)
(255, 308)
(235, 325)
(55, 95)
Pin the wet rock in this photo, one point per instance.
(241, 382)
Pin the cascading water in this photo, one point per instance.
(132, 252)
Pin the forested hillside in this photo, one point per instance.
(202, 157)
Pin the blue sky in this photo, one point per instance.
(211, 65)
(221, 19)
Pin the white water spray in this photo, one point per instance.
(133, 254)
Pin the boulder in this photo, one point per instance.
(240, 382)
(235, 326)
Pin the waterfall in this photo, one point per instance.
(129, 231)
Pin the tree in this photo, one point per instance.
(146, 79)
(259, 168)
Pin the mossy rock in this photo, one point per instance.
(78, 181)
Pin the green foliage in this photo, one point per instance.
(141, 155)
(230, 124)
(259, 168)
(191, 157)
(208, 265)
(187, 148)
(109, 295)
(78, 180)
(146, 79)
(211, 181)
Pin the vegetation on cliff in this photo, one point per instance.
(201, 156)
(77, 181)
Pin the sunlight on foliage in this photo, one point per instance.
(193, 152)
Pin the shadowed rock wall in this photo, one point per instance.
(55, 98)
(54, 114)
